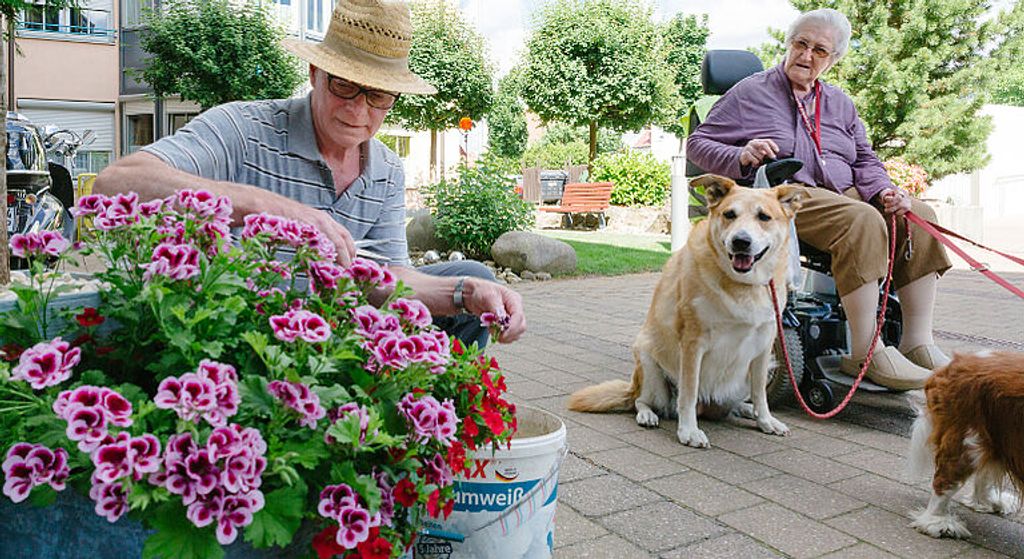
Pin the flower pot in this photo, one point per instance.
(505, 507)
(86, 295)
(71, 529)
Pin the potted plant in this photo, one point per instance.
(216, 394)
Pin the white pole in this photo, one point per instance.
(680, 203)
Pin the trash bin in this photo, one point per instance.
(552, 183)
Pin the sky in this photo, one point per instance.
(735, 24)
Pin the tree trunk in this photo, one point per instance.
(5, 257)
(433, 155)
(440, 148)
(593, 147)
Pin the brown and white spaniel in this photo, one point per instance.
(970, 430)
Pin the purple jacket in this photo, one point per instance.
(762, 106)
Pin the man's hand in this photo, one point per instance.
(756, 150)
(894, 201)
(334, 231)
(486, 296)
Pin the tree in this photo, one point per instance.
(684, 41)
(919, 72)
(9, 11)
(594, 63)
(1008, 88)
(449, 54)
(506, 123)
(216, 51)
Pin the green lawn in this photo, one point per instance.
(599, 253)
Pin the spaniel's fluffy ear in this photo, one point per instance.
(791, 196)
(716, 187)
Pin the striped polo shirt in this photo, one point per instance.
(272, 145)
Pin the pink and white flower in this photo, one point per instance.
(300, 398)
(111, 499)
(299, 323)
(412, 312)
(174, 261)
(40, 243)
(47, 363)
(29, 465)
(430, 418)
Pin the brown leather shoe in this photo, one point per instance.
(888, 368)
(928, 356)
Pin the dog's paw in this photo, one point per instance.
(940, 526)
(745, 410)
(772, 426)
(647, 418)
(996, 502)
(693, 437)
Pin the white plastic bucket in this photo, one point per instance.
(505, 506)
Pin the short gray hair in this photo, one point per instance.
(824, 17)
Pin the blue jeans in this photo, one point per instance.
(465, 327)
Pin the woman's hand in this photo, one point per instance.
(895, 201)
(756, 150)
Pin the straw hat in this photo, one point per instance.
(367, 42)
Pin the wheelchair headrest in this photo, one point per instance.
(723, 69)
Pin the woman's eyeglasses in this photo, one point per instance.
(819, 52)
(345, 89)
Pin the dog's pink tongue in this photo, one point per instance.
(742, 262)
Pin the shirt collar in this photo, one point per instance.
(301, 134)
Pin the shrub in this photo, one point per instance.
(908, 176)
(639, 178)
(471, 212)
(556, 155)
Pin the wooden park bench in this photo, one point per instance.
(584, 197)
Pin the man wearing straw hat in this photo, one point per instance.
(314, 159)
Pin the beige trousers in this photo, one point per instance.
(856, 235)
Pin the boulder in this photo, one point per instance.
(522, 250)
(421, 235)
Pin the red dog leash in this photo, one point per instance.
(937, 231)
(871, 348)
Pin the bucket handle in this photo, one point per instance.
(562, 452)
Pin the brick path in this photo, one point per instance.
(831, 489)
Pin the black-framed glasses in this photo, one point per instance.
(818, 51)
(376, 98)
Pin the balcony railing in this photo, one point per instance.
(77, 30)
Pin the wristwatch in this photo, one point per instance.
(457, 299)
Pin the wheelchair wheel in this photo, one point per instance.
(780, 389)
(819, 397)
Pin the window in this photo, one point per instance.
(91, 161)
(315, 16)
(133, 11)
(79, 20)
(138, 132)
(397, 144)
(179, 120)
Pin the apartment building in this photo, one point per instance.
(64, 71)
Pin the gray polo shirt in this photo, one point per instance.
(271, 145)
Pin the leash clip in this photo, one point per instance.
(983, 268)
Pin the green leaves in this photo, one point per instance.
(212, 52)
(279, 519)
(177, 538)
(639, 178)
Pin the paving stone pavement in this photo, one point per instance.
(831, 489)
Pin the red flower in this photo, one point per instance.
(494, 363)
(457, 348)
(374, 547)
(82, 340)
(405, 492)
(494, 421)
(457, 457)
(103, 350)
(326, 543)
(89, 317)
(12, 351)
(433, 504)
(469, 427)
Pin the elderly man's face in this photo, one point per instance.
(342, 123)
(810, 53)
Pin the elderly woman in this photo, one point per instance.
(787, 111)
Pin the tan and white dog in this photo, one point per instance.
(970, 432)
(711, 326)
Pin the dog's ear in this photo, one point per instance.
(715, 187)
(791, 197)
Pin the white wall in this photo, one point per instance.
(999, 186)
